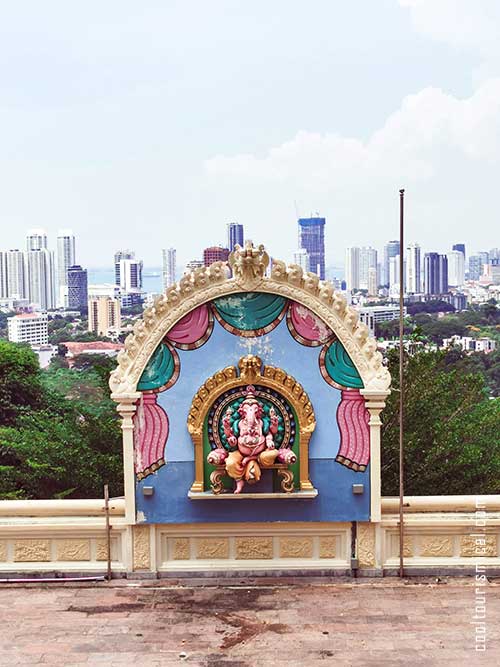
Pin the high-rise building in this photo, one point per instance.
(32, 328)
(234, 235)
(169, 267)
(130, 275)
(494, 253)
(476, 263)
(3, 275)
(77, 288)
(41, 278)
(301, 258)
(36, 239)
(413, 269)
(372, 281)
(65, 259)
(394, 276)
(435, 273)
(312, 239)
(104, 314)
(367, 261)
(352, 269)
(456, 268)
(119, 255)
(215, 254)
(460, 247)
(391, 249)
(17, 284)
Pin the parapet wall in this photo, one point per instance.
(449, 534)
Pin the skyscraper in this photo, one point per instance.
(169, 267)
(476, 263)
(372, 281)
(130, 275)
(234, 235)
(3, 275)
(435, 273)
(17, 284)
(312, 239)
(413, 269)
(65, 259)
(391, 249)
(215, 254)
(352, 269)
(460, 247)
(119, 255)
(456, 268)
(41, 278)
(77, 288)
(367, 261)
(36, 239)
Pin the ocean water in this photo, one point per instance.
(151, 278)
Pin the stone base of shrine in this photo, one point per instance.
(68, 538)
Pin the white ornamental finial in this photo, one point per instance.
(248, 264)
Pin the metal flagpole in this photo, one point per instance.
(401, 361)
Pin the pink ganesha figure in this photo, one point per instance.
(254, 449)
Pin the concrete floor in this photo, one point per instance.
(246, 623)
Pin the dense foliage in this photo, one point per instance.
(59, 431)
(451, 427)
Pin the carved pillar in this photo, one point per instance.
(305, 482)
(375, 402)
(126, 408)
(198, 484)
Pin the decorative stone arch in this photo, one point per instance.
(248, 271)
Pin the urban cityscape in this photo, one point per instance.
(39, 283)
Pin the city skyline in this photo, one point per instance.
(124, 164)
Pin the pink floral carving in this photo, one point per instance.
(151, 433)
(353, 420)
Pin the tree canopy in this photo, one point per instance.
(451, 428)
(59, 431)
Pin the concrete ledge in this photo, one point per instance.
(390, 505)
(66, 508)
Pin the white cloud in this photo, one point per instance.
(464, 24)
(428, 125)
(445, 150)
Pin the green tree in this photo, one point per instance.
(59, 431)
(20, 385)
(451, 429)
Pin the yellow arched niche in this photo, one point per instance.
(251, 372)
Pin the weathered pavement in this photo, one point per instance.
(238, 623)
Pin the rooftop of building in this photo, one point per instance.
(28, 316)
(76, 348)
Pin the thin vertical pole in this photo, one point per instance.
(401, 361)
(108, 532)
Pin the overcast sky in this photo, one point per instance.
(153, 124)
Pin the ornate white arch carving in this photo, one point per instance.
(248, 267)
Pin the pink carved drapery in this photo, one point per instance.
(151, 433)
(353, 420)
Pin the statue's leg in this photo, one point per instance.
(252, 472)
(233, 465)
(268, 457)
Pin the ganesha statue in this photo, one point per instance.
(252, 441)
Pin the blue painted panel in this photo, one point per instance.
(277, 348)
(335, 501)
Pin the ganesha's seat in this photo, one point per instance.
(282, 469)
